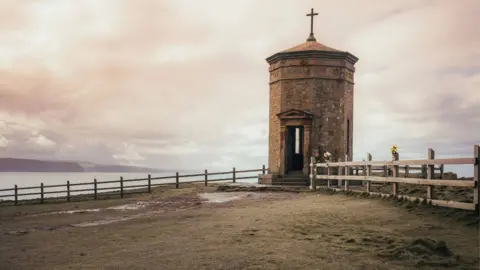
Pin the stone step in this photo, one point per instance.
(292, 181)
(278, 183)
(294, 176)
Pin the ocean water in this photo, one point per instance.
(34, 180)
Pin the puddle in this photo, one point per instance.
(175, 204)
(132, 206)
(80, 211)
(222, 197)
(110, 220)
(124, 207)
(103, 221)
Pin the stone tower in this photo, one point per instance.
(311, 105)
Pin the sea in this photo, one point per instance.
(31, 182)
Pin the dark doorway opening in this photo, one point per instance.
(294, 149)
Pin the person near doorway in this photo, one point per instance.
(327, 156)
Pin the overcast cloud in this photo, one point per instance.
(184, 84)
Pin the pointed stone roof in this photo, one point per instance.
(310, 46)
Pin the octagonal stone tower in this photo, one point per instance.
(311, 106)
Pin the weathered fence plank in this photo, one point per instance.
(121, 186)
(177, 180)
(41, 193)
(149, 183)
(391, 175)
(395, 175)
(68, 190)
(414, 181)
(476, 176)
(233, 175)
(430, 173)
(448, 161)
(123, 189)
(95, 189)
(16, 194)
(443, 203)
(347, 173)
(206, 177)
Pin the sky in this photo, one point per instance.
(184, 84)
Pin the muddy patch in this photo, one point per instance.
(222, 197)
(110, 220)
(173, 204)
(142, 209)
(140, 205)
(80, 211)
(27, 231)
(258, 188)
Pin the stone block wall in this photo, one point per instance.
(274, 129)
(323, 87)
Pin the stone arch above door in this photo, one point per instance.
(295, 117)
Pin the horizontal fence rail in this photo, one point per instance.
(120, 187)
(366, 172)
(447, 161)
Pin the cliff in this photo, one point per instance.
(33, 165)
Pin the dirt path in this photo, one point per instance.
(181, 230)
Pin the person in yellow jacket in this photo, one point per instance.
(394, 151)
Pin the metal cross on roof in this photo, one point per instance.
(311, 14)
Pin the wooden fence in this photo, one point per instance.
(94, 189)
(344, 171)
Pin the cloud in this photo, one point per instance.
(3, 142)
(182, 84)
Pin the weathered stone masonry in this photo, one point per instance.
(318, 80)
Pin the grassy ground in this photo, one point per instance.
(262, 230)
(458, 194)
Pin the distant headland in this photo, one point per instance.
(35, 165)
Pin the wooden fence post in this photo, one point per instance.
(329, 172)
(441, 171)
(347, 173)
(369, 172)
(263, 169)
(177, 180)
(149, 183)
(16, 194)
(41, 192)
(395, 175)
(121, 186)
(68, 190)
(407, 171)
(206, 177)
(424, 171)
(476, 176)
(430, 172)
(340, 173)
(313, 174)
(233, 175)
(95, 193)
